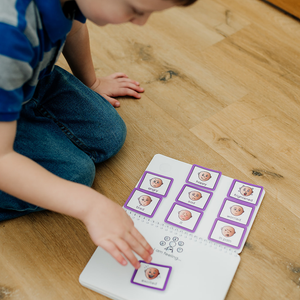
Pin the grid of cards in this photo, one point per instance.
(235, 214)
(229, 227)
(146, 198)
(194, 197)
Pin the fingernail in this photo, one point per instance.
(124, 262)
(137, 83)
(117, 104)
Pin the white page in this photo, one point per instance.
(201, 267)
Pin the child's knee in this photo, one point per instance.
(118, 134)
(81, 170)
(110, 143)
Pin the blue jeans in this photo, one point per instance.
(66, 128)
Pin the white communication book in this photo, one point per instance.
(196, 220)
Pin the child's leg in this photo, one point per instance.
(87, 119)
(66, 128)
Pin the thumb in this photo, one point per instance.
(112, 101)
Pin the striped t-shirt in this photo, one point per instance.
(32, 34)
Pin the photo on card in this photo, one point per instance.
(143, 203)
(236, 211)
(152, 276)
(184, 217)
(155, 184)
(244, 191)
(204, 177)
(227, 233)
(195, 197)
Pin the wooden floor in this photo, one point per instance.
(222, 81)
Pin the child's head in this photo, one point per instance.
(156, 182)
(195, 195)
(228, 231)
(103, 12)
(204, 176)
(144, 200)
(236, 210)
(152, 273)
(184, 215)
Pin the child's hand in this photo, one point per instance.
(112, 229)
(117, 85)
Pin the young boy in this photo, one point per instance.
(54, 126)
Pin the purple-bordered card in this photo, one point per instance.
(236, 211)
(152, 276)
(143, 203)
(204, 177)
(155, 183)
(184, 217)
(244, 191)
(194, 197)
(227, 233)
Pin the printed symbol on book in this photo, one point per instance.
(172, 244)
(156, 182)
(236, 210)
(184, 215)
(246, 190)
(144, 200)
(152, 276)
(204, 175)
(151, 273)
(195, 195)
(228, 231)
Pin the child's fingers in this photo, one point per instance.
(112, 101)
(129, 92)
(126, 249)
(138, 236)
(111, 248)
(132, 86)
(137, 247)
(122, 80)
(118, 75)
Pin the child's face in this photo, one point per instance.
(236, 210)
(151, 273)
(194, 195)
(103, 12)
(144, 200)
(246, 190)
(184, 215)
(228, 231)
(204, 176)
(156, 182)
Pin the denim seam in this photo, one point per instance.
(75, 140)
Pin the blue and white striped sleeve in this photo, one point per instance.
(16, 54)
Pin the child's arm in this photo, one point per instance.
(78, 55)
(108, 224)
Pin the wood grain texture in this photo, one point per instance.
(222, 86)
(291, 6)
